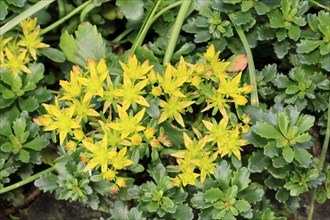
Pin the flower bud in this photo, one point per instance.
(109, 175)
(71, 145)
(154, 143)
(121, 182)
(156, 91)
(136, 139)
(78, 134)
(149, 132)
(152, 77)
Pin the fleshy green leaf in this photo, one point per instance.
(37, 143)
(88, 43)
(3, 10)
(241, 178)
(252, 194)
(302, 156)
(53, 54)
(213, 194)
(242, 205)
(132, 10)
(266, 130)
(183, 212)
(288, 154)
(307, 46)
(258, 162)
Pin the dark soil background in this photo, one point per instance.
(43, 206)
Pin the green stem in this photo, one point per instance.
(27, 13)
(61, 8)
(86, 10)
(176, 31)
(122, 35)
(26, 181)
(319, 5)
(252, 74)
(144, 29)
(321, 163)
(62, 20)
(173, 5)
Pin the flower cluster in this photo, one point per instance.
(16, 52)
(115, 117)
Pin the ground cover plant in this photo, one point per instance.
(212, 109)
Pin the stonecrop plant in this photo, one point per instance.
(212, 109)
(127, 112)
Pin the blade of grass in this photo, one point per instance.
(62, 20)
(251, 67)
(144, 28)
(27, 13)
(26, 181)
(176, 31)
(321, 163)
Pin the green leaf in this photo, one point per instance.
(266, 130)
(198, 201)
(321, 195)
(258, 162)
(213, 194)
(271, 150)
(261, 8)
(242, 205)
(153, 110)
(222, 174)
(183, 212)
(119, 210)
(24, 156)
(302, 156)
(281, 48)
(283, 122)
(167, 203)
(294, 33)
(47, 183)
(3, 10)
(324, 18)
(307, 46)
(325, 64)
(132, 10)
(143, 53)
(18, 3)
(153, 206)
(252, 194)
(88, 43)
(288, 154)
(5, 127)
(19, 127)
(282, 195)
(53, 54)
(295, 189)
(304, 123)
(241, 178)
(30, 104)
(37, 74)
(202, 36)
(37, 143)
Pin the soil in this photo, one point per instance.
(43, 206)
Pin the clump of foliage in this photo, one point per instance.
(196, 136)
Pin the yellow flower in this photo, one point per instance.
(3, 42)
(120, 161)
(231, 89)
(72, 88)
(183, 69)
(214, 66)
(94, 82)
(31, 40)
(205, 164)
(58, 119)
(15, 64)
(83, 109)
(217, 132)
(217, 101)
(109, 175)
(188, 177)
(173, 108)
(132, 93)
(28, 25)
(99, 155)
(134, 70)
(127, 124)
(108, 96)
(170, 84)
(232, 144)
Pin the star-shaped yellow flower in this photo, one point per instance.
(173, 109)
(127, 124)
(134, 70)
(15, 64)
